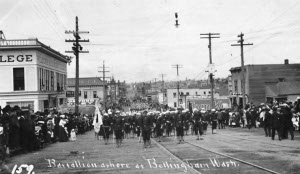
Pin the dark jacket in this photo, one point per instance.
(275, 120)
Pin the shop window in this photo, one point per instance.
(95, 94)
(235, 86)
(52, 81)
(175, 104)
(85, 94)
(19, 82)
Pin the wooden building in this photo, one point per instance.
(282, 91)
(256, 77)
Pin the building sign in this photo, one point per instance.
(206, 103)
(70, 93)
(85, 102)
(15, 58)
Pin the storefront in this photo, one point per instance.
(32, 75)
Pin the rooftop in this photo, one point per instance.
(283, 88)
(85, 81)
(31, 44)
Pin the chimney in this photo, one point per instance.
(286, 61)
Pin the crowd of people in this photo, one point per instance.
(278, 118)
(145, 124)
(28, 131)
(25, 131)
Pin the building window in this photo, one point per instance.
(57, 82)
(79, 93)
(47, 80)
(41, 78)
(209, 92)
(52, 81)
(204, 93)
(95, 94)
(187, 93)
(174, 95)
(196, 93)
(175, 104)
(19, 82)
(85, 94)
(235, 86)
(65, 82)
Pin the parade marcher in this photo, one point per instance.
(198, 126)
(118, 125)
(133, 125)
(126, 126)
(159, 126)
(205, 120)
(187, 121)
(169, 121)
(214, 120)
(179, 119)
(275, 123)
(138, 126)
(146, 128)
(220, 119)
(106, 128)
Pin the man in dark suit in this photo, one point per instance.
(118, 126)
(267, 123)
(146, 128)
(275, 123)
(179, 119)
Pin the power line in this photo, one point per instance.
(177, 66)
(241, 44)
(77, 48)
(104, 88)
(210, 36)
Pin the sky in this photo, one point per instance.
(138, 40)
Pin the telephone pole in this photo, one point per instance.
(155, 86)
(210, 36)
(177, 66)
(77, 48)
(241, 44)
(163, 86)
(104, 88)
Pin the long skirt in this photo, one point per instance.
(62, 134)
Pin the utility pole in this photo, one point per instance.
(77, 48)
(104, 88)
(155, 83)
(163, 87)
(241, 44)
(210, 36)
(177, 66)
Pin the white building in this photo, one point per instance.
(172, 95)
(32, 74)
(89, 88)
